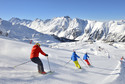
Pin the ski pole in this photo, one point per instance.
(83, 62)
(49, 64)
(21, 64)
(90, 61)
(67, 62)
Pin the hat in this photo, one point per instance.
(37, 44)
(73, 50)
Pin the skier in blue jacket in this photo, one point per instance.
(74, 59)
(85, 57)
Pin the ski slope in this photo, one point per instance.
(106, 65)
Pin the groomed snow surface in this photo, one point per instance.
(106, 66)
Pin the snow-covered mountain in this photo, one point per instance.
(77, 28)
(107, 31)
(23, 33)
(3, 32)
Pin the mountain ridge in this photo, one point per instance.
(77, 29)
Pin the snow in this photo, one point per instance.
(105, 70)
(121, 77)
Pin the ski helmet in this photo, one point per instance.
(37, 44)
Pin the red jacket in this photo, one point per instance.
(35, 52)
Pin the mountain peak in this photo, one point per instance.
(38, 20)
(13, 19)
(66, 17)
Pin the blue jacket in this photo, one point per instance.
(74, 56)
(85, 57)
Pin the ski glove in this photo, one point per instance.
(46, 55)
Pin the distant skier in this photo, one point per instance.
(122, 58)
(31, 41)
(100, 49)
(85, 57)
(74, 59)
(35, 57)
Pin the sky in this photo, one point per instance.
(100, 10)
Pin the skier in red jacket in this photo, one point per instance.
(35, 57)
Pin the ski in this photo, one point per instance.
(48, 72)
(40, 75)
(90, 66)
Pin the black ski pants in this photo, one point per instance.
(39, 63)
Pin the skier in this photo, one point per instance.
(31, 41)
(74, 59)
(35, 57)
(100, 49)
(122, 58)
(85, 57)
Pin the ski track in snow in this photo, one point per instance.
(104, 70)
